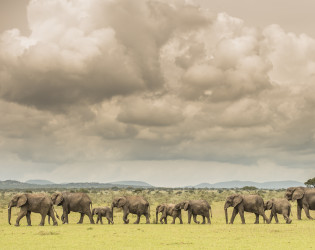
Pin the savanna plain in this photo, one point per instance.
(218, 235)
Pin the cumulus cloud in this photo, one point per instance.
(104, 82)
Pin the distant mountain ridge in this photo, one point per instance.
(40, 182)
(240, 184)
(12, 184)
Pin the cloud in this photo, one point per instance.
(105, 82)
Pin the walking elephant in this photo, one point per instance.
(305, 198)
(36, 203)
(73, 202)
(194, 208)
(248, 203)
(103, 212)
(132, 204)
(168, 210)
(279, 206)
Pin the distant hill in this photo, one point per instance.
(132, 183)
(39, 182)
(240, 184)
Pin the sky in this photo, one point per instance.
(173, 93)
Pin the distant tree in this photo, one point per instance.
(310, 182)
(249, 188)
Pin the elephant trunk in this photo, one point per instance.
(157, 216)
(9, 213)
(226, 216)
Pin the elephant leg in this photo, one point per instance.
(195, 219)
(276, 217)
(48, 219)
(203, 219)
(299, 212)
(162, 220)
(138, 219)
(126, 212)
(81, 218)
(180, 219)
(42, 222)
(28, 217)
(262, 213)
(97, 219)
(147, 217)
(52, 215)
(234, 213)
(271, 216)
(109, 218)
(22, 213)
(286, 215)
(165, 219)
(241, 212)
(307, 212)
(189, 217)
(101, 219)
(65, 216)
(257, 219)
(174, 218)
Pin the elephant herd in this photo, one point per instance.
(80, 202)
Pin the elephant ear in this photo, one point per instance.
(186, 206)
(59, 199)
(298, 194)
(161, 208)
(21, 200)
(237, 200)
(269, 205)
(122, 201)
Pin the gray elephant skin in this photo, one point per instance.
(279, 206)
(36, 203)
(196, 207)
(73, 202)
(245, 203)
(168, 210)
(305, 198)
(103, 212)
(132, 204)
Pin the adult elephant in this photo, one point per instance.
(73, 202)
(36, 203)
(305, 198)
(168, 210)
(196, 207)
(245, 203)
(103, 212)
(132, 204)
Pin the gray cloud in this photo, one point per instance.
(107, 84)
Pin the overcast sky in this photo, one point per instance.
(169, 92)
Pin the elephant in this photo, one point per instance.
(132, 204)
(305, 198)
(75, 202)
(248, 203)
(103, 212)
(194, 208)
(279, 206)
(37, 203)
(168, 210)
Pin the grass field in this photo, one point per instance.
(218, 235)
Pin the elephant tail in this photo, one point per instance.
(91, 207)
(210, 211)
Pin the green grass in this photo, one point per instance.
(218, 235)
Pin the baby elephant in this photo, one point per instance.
(168, 210)
(279, 206)
(103, 212)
